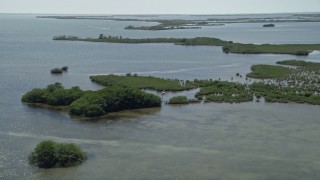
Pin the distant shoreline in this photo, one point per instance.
(227, 46)
(293, 17)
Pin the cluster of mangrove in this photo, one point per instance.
(142, 82)
(262, 71)
(299, 82)
(55, 95)
(215, 91)
(232, 92)
(283, 94)
(182, 100)
(296, 73)
(205, 41)
(92, 103)
(223, 91)
(227, 46)
(172, 24)
(268, 25)
(112, 99)
(293, 49)
(59, 70)
(49, 154)
(160, 27)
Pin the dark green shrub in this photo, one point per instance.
(49, 154)
(56, 71)
(112, 99)
(53, 87)
(69, 155)
(35, 96)
(54, 94)
(90, 105)
(179, 100)
(44, 155)
(302, 53)
(64, 97)
(141, 82)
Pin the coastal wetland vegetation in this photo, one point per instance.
(227, 46)
(59, 70)
(91, 103)
(51, 154)
(291, 81)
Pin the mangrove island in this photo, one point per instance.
(50, 154)
(227, 46)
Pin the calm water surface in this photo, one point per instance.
(200, 141)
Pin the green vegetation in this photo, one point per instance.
(54, 94)
(269, 72)
(294, 62)
(223, 91)
(142, 82)
(178, 41)
(274, 93)
(227, 46)
(56, 71)
(268, 25)
(179, 100)
(190, 101)
(92, 103)
(112, 99)
(49, 154)
(182, 100)
(160, 27)
(298, 84)
(65, 37)
(294, 49)
(301, 74)
(59, 70)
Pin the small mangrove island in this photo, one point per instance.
(227, 46)
(50, 154)
(298, 83)
(291, 81)
(142, 82)
(223, 91)
(59, 70)
(269, 25)
(91, 103)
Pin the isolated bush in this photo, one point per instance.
(179, 100)
(56, 71)
(49, 154)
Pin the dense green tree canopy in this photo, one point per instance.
(49, 154)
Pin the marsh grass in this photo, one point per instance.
(141, 82)
(262, 71)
